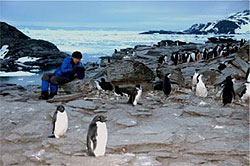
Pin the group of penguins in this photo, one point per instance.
(205, 54)
(97, 131)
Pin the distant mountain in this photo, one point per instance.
(234, 23)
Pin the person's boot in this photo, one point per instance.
(44, 95)
(51, 95)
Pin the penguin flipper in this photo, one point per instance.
(91, 139)
(54, 122)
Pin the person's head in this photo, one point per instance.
(76, 56)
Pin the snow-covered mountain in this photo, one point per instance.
(234, 23)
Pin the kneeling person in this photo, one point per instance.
(70, 69)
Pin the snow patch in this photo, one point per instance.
(3, 51)
(243, 29)
(14, 74)
(27, 59)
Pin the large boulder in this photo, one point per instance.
(176, 74)
(129, 72)
(25, 54)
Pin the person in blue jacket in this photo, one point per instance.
(70, 69)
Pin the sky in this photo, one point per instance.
(119, 15)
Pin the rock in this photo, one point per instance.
(181, 164)
(84, 86)
(89, 105)
(126, 122)
(27, 54)
(13, 159)
(244, 51)
(129, 72)
(176, 74)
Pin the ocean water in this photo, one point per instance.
(96, 43)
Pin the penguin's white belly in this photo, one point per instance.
(101, 139)
(61, 124)
(248, 78)
(201, 90)
(246, 96)
(137, 97)
(98, 85)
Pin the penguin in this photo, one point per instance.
(59, 122)
(228, 91)
(161, 60)
(204, 55)
(194, 79)
(222, 66)
(175, 57)
(97, 136)
(107, 86)
(245, 95)
(201, 89)
(122, 91)
(135, 95)
(192, 57)
(165, 59)
(166, 86)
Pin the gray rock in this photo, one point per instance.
(89, 105)
(125, 72)
(126, 122)
(176, 74)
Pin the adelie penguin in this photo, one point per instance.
(222, 66)
(97, 136)
(166, 85)
(135, 95)
(228, 91)
(201, 89)
(122, 91)
(59, 122)
(107, 86)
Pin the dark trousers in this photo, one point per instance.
(52, 81)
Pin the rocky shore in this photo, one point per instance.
(26, 54)
(179, 130)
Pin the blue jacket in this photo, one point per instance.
(68, 70)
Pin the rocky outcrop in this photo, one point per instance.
(128, 72)
(27, 54)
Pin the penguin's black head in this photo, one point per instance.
(60, 108)
(103, 80)
(99, 118)
(228, 79)
(138, 86)
(196, 70)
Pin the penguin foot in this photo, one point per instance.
(51, 136)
